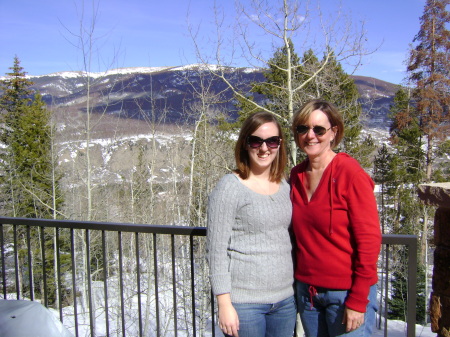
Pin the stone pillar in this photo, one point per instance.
(439, 195)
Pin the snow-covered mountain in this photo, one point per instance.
(153, 91)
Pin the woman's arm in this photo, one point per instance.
(365, 227)
(221, 218)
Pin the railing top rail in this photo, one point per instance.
(399, 239)
(393, 239)
(107, 226)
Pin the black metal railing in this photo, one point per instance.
(410, 243)
(114, 279)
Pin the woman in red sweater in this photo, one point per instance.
(336, 227)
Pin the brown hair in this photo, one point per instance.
(301, 117)
(251, 124)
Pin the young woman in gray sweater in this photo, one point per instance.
(248, 241)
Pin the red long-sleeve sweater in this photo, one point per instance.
(337, 232)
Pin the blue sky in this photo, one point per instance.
(153, 33)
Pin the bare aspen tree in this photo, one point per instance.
(86, 41)
(203, 166)
(264, 26)
(146, 168)
(208, 160)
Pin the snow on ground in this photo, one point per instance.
(398, 329)
(395, 328)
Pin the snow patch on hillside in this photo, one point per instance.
(134, 70)
(118, 71)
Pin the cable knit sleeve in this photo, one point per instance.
(222, 207)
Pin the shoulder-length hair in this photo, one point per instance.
(251, 124)
(301, 117)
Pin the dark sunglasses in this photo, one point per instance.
(318, 130)
(255, 142)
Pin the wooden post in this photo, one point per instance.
(439, 195)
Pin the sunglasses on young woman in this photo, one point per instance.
(256, 142)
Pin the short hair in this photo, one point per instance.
(302, 115)
(251, 124)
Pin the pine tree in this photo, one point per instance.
(16, 88)
(277, 80)
(312, 78)
(30, 188)
(406, 136)
(29, 182)
(16, 94)
(405, 166)
(383, 171)
(429, 71)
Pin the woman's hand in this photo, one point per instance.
(353, 319)
(228, 318)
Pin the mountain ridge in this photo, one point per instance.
(139, 92)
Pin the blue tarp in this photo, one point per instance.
(19, 318)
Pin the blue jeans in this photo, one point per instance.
(267, 320)
(324, 318)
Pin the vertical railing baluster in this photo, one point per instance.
(105, 280)
(44, 265)
(386, 291)
(412, 286)
(174, 285)
(2, 243)
(213, 315)
(74, 283)
(155, 270)
(382, 274)
(138, 281)
(89, 282)
(16, 261)
(191, 254)
(122, 300)
(30, 264)
(58, 273)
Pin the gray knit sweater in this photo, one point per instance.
(248, 242)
